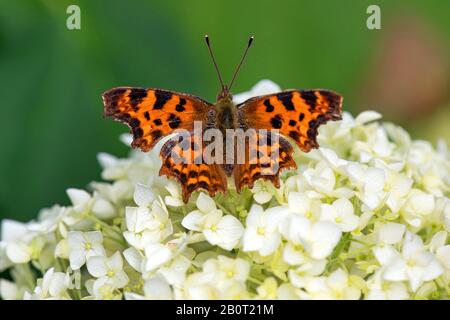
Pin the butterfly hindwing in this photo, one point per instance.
(182, 159)
(153, 113)
(266, 154)
(297, 114)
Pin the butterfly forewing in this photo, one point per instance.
(153, 113)
(297, 114)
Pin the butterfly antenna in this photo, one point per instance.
(214, 61)
(250, 41)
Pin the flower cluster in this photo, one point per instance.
(365, 216)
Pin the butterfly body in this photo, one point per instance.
(226, 113)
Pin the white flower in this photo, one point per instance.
(157, 255)
(414, 264)
(376, 146)
(318, 238)
(321, 178)
(175, 198)
(14, 243)
(84, 245)
(143, 195)
(418, 206)
(155, 288)
(370, 182)
(337, 285)
(341, 212)
(9, 290)
(109, 269)
(308, 268)
(261, 232)
(220, 230)
(223, 231)
(397, 186)
(226, 270)
(261, 192)
(300, 204)
(145, 226)
(103, 289)
(442, 251)
(385, 290)
(52, 286)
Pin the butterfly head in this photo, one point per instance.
(225, 93)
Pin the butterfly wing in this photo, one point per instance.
(297, 114)
(266, 154)
(153, 113)
(182, 159)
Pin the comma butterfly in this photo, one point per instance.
(155, 113)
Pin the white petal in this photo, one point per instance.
(271, 244)
(349, 223)
(205, 203)
(375, 179)
(120, 279)
(230, 227)
(385, 254)
(415, 276)
(443, 254)
(13, 230)
(292, 255)
(254, 214)
(131, 218)
(95, 237)
(438, 240)
(103, 209)
(18, 252)
(395, 271)
(432, 271)
(391, 232)
(157, 288)
(106, 160)
(76, 240)
(58, 284)
(157, 254)
(343, 206)
(367, 116)
(193, 220)
(134, 258)
(97, 266)
(412, 245)
(78, 196)
(252, 240)
(299, 202)
(143, 195)
(77, 258)
(8, 290)
(262, 197)
(133, 296)
(324, 237)
(115, 261)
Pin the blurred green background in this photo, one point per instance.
(51, 78)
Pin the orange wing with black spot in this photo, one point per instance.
(297, 114)
(266, 154)
(153, 113)
(182, 159)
